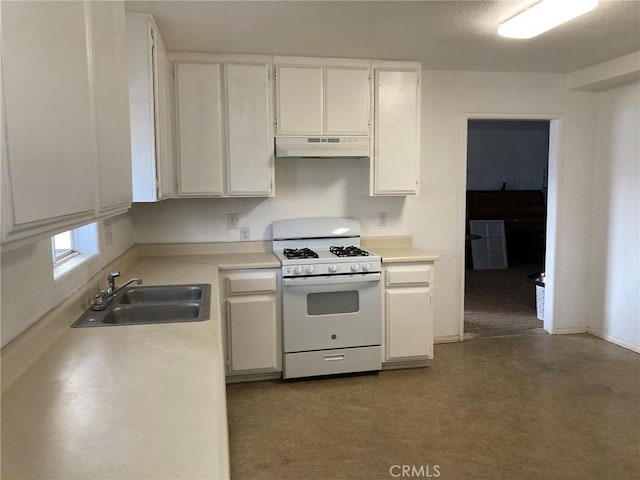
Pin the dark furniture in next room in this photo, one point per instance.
(525, 217)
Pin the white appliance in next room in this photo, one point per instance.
(331, 297)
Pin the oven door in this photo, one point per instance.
(328, 312)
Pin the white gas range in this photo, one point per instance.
(331, 297)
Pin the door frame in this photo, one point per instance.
(554, 181)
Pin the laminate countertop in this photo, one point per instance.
(128, 402)
(403, 254)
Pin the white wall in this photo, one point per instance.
(28, 288)
(615, 278)
(435, 218)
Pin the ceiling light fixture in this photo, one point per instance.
(544, 16)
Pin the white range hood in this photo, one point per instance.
(322, 147)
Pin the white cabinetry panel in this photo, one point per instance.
(397, 130)
(200, 135)
(111, 87)
(346, 109)
(322, 96)
(408, 313)
(65, 148)
(249, 131)
(407, 331)
(151, 134)
(51, 151)
(253, 332)
(252, 324)
(300, 100)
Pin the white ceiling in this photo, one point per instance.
(444, 35)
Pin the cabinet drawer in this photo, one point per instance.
(251, 283)
(330, 362)
(414, 274)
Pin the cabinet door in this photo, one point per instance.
(299, 91)
(397, 131)
(249, 132)
(164, 140)
(142, 53)
(200, 148)
(253, 334)
(346, 101)
(49, 119)
(409, 323)
(111, 90)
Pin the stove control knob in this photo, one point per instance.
(311, 269)
(333, 268)
(355, 267)
(366, 266)
(299, 269)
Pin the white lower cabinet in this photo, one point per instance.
(408, 313)
(251, 312)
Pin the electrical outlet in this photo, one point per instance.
(382, 219)
(108, 234)
(232, 221)
(244, 234)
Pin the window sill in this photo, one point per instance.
(66, 267)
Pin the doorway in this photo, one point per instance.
(509, 218)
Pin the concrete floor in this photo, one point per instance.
(531, 406)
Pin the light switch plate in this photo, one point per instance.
(382, 219)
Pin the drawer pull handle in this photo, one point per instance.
(333, 358)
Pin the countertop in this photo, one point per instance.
(401, 254)
(128, 402)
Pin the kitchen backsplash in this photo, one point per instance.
(304, 188)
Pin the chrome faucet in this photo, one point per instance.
(103, 299)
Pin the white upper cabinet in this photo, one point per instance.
(47, 97)
(249, 163)
(64, 114)
(396, 142)
(346, 100)
(321, 96)
(111, 87)
(224, 124)
(200, 134)
(149, 78)
(300, 100)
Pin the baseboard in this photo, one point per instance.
(256, 377)
(22, 351)
(447, 339)
(570, 330)
(406, 364)
(616, 340)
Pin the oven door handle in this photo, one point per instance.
(331, 280)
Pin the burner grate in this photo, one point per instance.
(351, 251)
(295, 253)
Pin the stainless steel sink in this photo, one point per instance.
(152, 304)
(162, 293)
(130, 315)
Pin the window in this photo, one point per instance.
(64, 246)
(73, 247)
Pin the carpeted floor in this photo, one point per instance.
(500, 302)
(524, 407)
